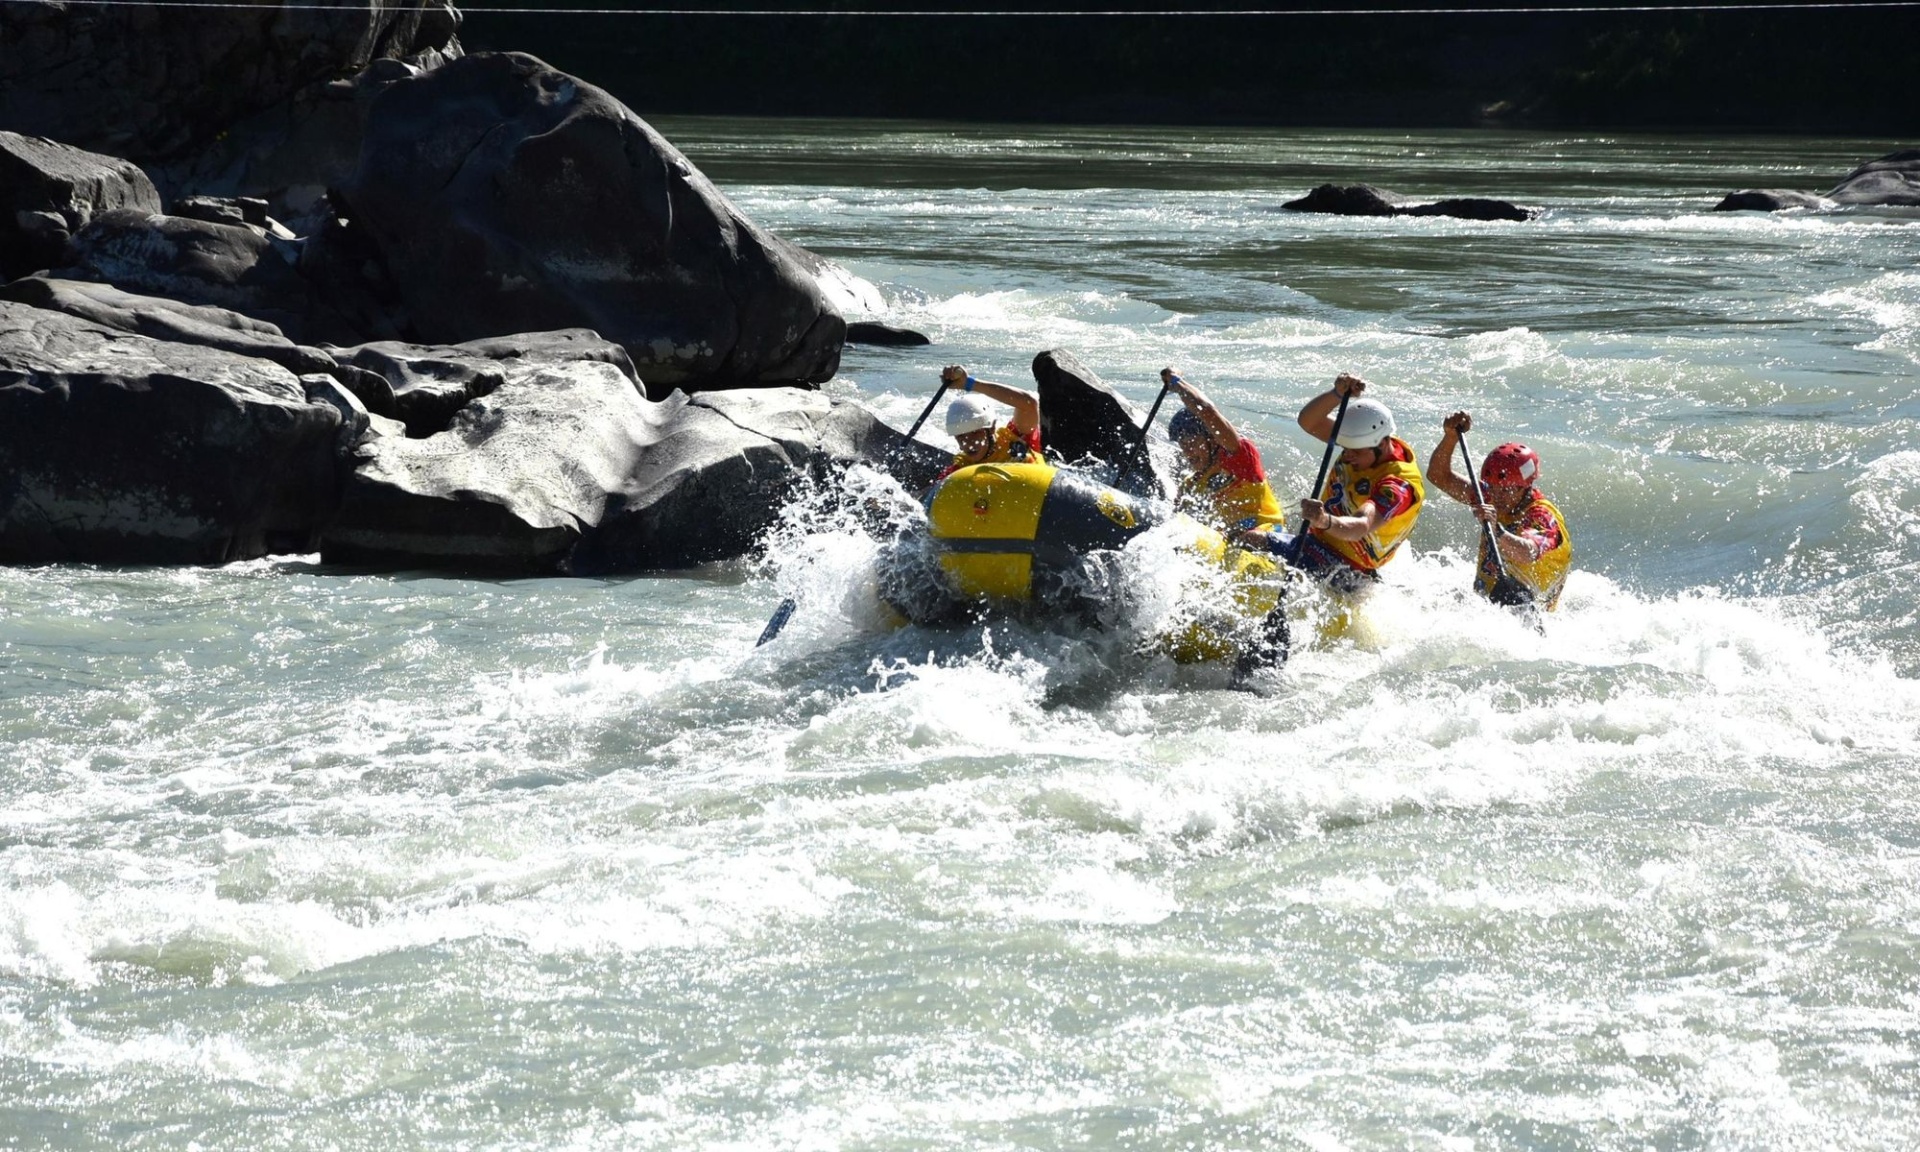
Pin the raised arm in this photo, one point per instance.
(1316, 419)
(1220, 430)
(1440, 471)
(1025, 405)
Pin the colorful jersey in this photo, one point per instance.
(1394, 486)
(1541, 524)
(1233, 491)
(1010, 445)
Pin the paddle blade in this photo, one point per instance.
(777, 621)
(1510, 593)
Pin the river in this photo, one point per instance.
(301, 858)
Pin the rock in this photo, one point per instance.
(1346, 200)
(232, 266)
(48, 191)
(1470, 208)
(517, 477)
(1770, 200)
(502, 196)
(886, 335)
(119, 449)
(1891, 181)
(162, 319)
(1366, 200)
(426, 386)
(722, 464)
(1082, 417)
(150, 81)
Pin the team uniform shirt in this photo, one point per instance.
(1540, 524)
(1010, 445)
(1392, 485)
(1234, 489)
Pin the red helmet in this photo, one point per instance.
(1510, 466)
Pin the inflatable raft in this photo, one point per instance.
(1034, 539)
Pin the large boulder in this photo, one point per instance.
(503, 196)
(1891, 181)
(152, 81)
(49, 191)
(119, 449)
(722, 464)
(1082, 418)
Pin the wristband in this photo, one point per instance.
(970, 383)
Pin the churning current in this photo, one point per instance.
(299, 858)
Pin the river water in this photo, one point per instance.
(296, 858)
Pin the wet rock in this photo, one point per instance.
(49, 191)
(1891, 181)
(722, 464)
(1346, 200)
(1770, 200)
(1082, 418)
(885, 335)
(119, 449)
(502, 196)
(154, 81)
(1367, 200)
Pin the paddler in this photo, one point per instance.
(1225, 483)
(1372, 496)
(1535, 548)
(974, 423)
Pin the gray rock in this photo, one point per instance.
(152, 81)
(1770, 200)
(1891, 181)
(504, 196)
(426, 386)
(119, 449)
(48, 191)
(511, 485)
(1470, 208)
(163, 319)
(722, 464)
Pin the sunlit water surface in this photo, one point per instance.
(297, 858)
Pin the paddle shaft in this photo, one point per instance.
(1326, 462)
(1140, 442)
(1479, 499)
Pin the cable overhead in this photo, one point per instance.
(958, 14)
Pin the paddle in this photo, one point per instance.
(1138, 456)
(1507, 591)
(1320, 481)
(784, 612)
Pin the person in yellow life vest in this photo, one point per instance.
(1535, 547)
(975, 425)
(1225, 483)
(1372, 497)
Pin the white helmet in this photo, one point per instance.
(969, 414)
(1366, 423)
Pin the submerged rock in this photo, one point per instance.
(49, 191)
(885, 335)
(503, 196)
(120, 449)
(1367, 200)
(1770, 200)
